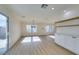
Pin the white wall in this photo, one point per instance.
(14, 31)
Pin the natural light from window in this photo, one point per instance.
(51, 36)
(3, 33)
(48, 28)
(31, 39)
(3, 26)
(31, 28)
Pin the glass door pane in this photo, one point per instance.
(3, 34)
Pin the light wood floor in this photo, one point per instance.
(46, 46)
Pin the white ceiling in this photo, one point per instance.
(34, 12)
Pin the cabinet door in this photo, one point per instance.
(65, 41)
(76, 48)
(73, 31)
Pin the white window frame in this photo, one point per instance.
(48, 28)
(31, 30)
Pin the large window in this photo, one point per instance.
(31, 28)
(3, 34)
(48, 28)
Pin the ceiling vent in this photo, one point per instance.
(44, 6)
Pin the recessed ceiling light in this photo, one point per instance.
(53, 8)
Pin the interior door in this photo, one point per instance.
(4, 38)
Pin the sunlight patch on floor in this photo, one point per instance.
(51, 36)
(31, 39)
(26, 39)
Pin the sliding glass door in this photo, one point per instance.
(3, 33)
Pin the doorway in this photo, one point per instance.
(4, 30)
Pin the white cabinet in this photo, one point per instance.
(76, 48)
(72, 31)
(66, 41)
(68, 36)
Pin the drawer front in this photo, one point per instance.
(67, 42)
(76, 48)
(74, 31)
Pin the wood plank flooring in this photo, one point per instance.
(46, 46)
